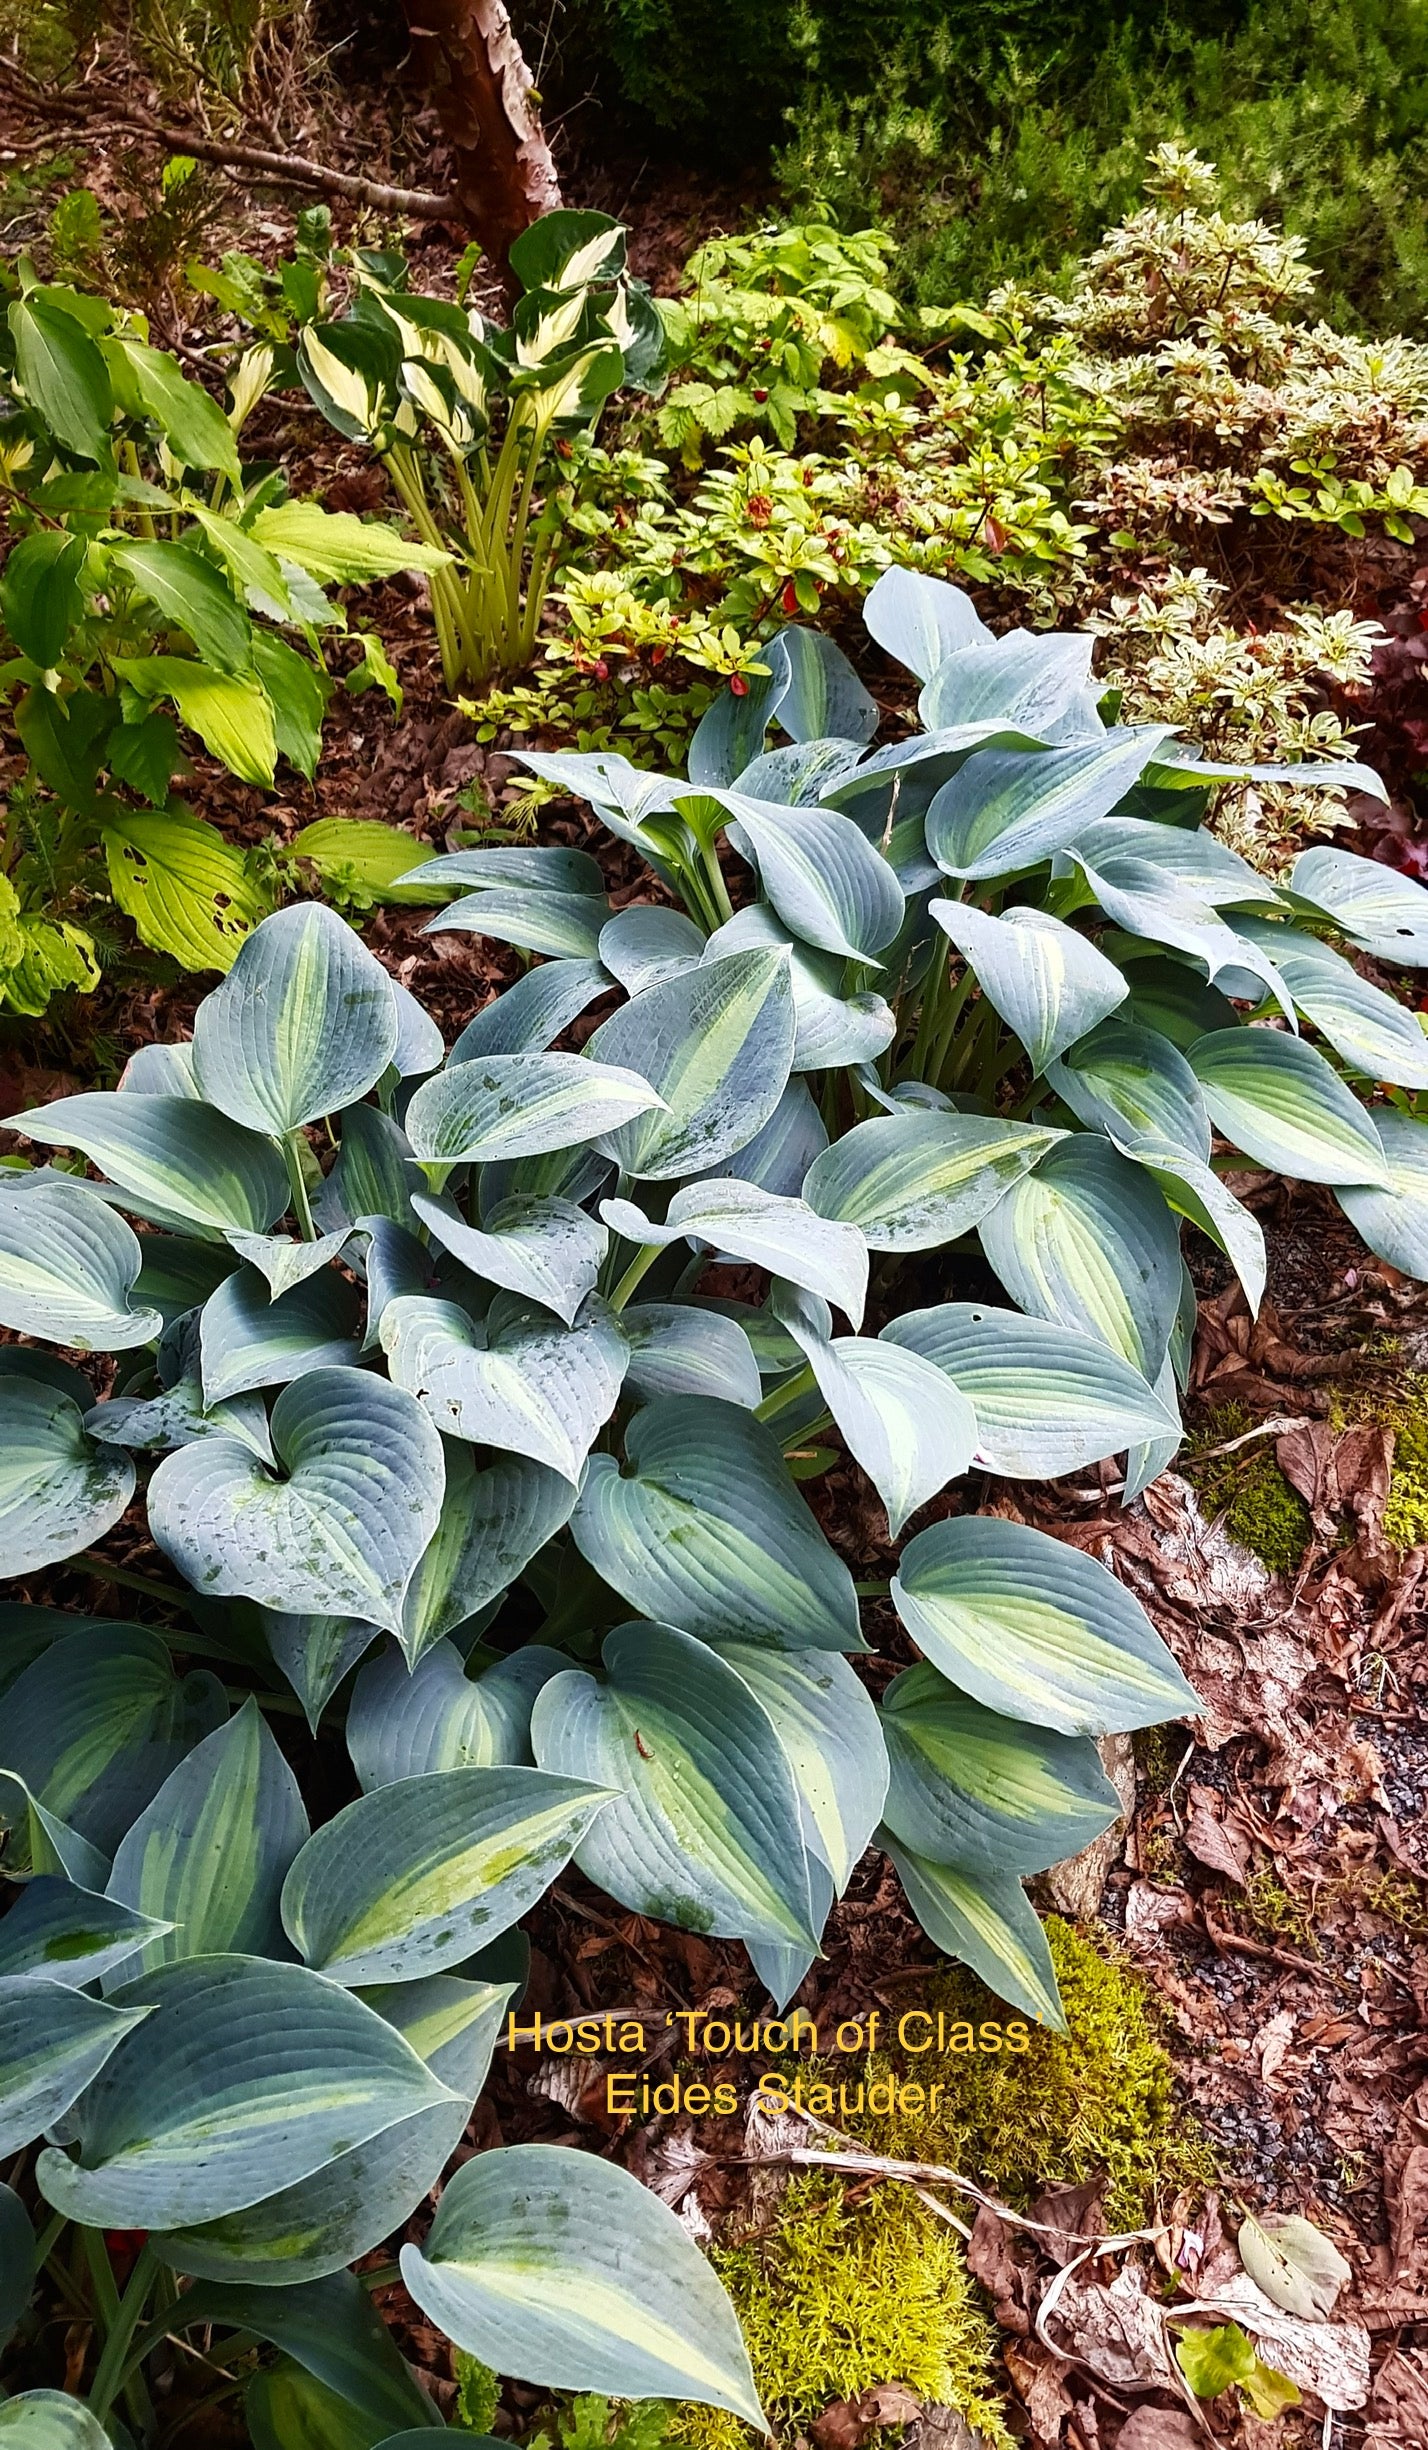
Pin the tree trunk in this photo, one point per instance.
(468, 58)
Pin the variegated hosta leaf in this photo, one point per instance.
(1087, 1241)
(1172, 996)
(778, 1157)
(1394, 1220)
(374, 1174)
(984, 1920)
(492, 1524)
(1011, 808)
(249, 2077)
(343, 1532)
(497, 1106)
(703, 1830)
(830, 1028)
(915, 1182)
(58, 1932)
(39, 1838)
(828, 1728)
(59, 1490)
(1137, 896)
(781, 1969)
(249, 1337)
(1020, 678)
(1193, 1189)
(68, 1266)
(547, 867)
(1381, 909)
(179, 1161)
(705, 1531)
(315, 1653)
(529, 1016)
(826, 881)
(211, 1852)
(179, 1273)
(982, 1792)
(645, 944)
(514, 1380)
(716, 1044)
(567, 925)
(1379, 1037)
(1049, 984)
(547, 1250)
(1035, 1628)
(304, 1024)
(740, 1219)
(50, 2420)
(420, 1046)
(677, 1350)
(920, 621)
(1047, 1400)
(416, 1876)
(1279, 1101)
(902, 1418)
(284, 1263)
(1131, 1083)
(1121, 848)
(823, 698)
(560, 2265)
(165, 1070)
(405, 1722)
(53, 2041)
(332, 2330)
(96, 1723)
(362, 2195)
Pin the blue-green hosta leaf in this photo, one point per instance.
(567, 925)
(915, 1182)
(304, 1024)
(1121, 849)
(1087, 1240)
(829, 1729)
(705, 1531)
(703, 1831)
(498, 1106)
(210, 1854)
(982, 1792)
(405, 1722)
(1192, 1189)
(68, 1266)
(561, 2266)
(920, 621)
(1012, 808)
(492, 1524)
(161, 1071)
(983, 1919)
(547, 1250)
(331, 2329)
(250, 1338)
(59, 1491)
(716, 1044)
(282, 1262)
(900, 1415)
(1035, 1628)
(1279, 1101)
(315, 1653)
(1393, 1219)
(96, 1723)
(1132, 1084)
(830, 1029)
(176, 1416)
(374, 1174)
(250, 2076)
(1139, 897)
(1384, 912)
(342, 1533)
(361, 2196)
(645, 944)
(416, 1876)
(1370, 1030)
(786, 1236)
(58, 1932)
(1047, 1400)
(420, 1046)
(182, 1161)
(528, 1016)
(778, 1157)
(1169, 995)
(1049, 984)
(729, 736)
(53, 2041)
(1146, 1462)
(826, 881)
(824, 698)
(514, 1380)
(545, 867)
(1020, 678)
(624, 795)
(42, 1840)
(50, 2420)
(675, 1350)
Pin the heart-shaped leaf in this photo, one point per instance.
(304, 1024)
(716, 1043)
(1012, 808)
(417, 1876)
(492, 1523)
(182, 1162)
(314, 1653)
(1279, 1101)
(1047, 1400)
(830, 1028)
(59, 1491)
(786, 1236)
(515, 1380)
(499, 1106)
(283, 1263)
(1035, 1629)
(703, 1830)
(914, 1181)
(920, 621)
(1133, 1084)
(343, 1531)
(676, 1350)
(984, 1920)
(547, 1250)
(903, 1419)
(53, 2041)
(97, 1722)
(250, 1338)
(560, 2265)
(1379, 1037)
(1049, 984)
(827, 882)
(1087, 1241)
(983, 1792)
(404, 1722)
(705, 1531)
(645, 944)
(68, 1266)
(1020, 678)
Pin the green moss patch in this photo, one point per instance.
(1261, 1511)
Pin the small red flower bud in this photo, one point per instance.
(761, 395)
(789, 598)
(738, 684)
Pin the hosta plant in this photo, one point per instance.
(152, 589)
(457, 1434)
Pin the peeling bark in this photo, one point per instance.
(467, 56)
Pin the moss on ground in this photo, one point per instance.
(1262, 1512)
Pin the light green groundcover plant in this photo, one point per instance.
(482, 1350)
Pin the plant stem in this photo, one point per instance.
(302, 1209)
(635, 1273)
(788, 1393)
(172, 1593)
(122, 2326)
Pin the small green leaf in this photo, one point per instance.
(230, 712)
(63, 375)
